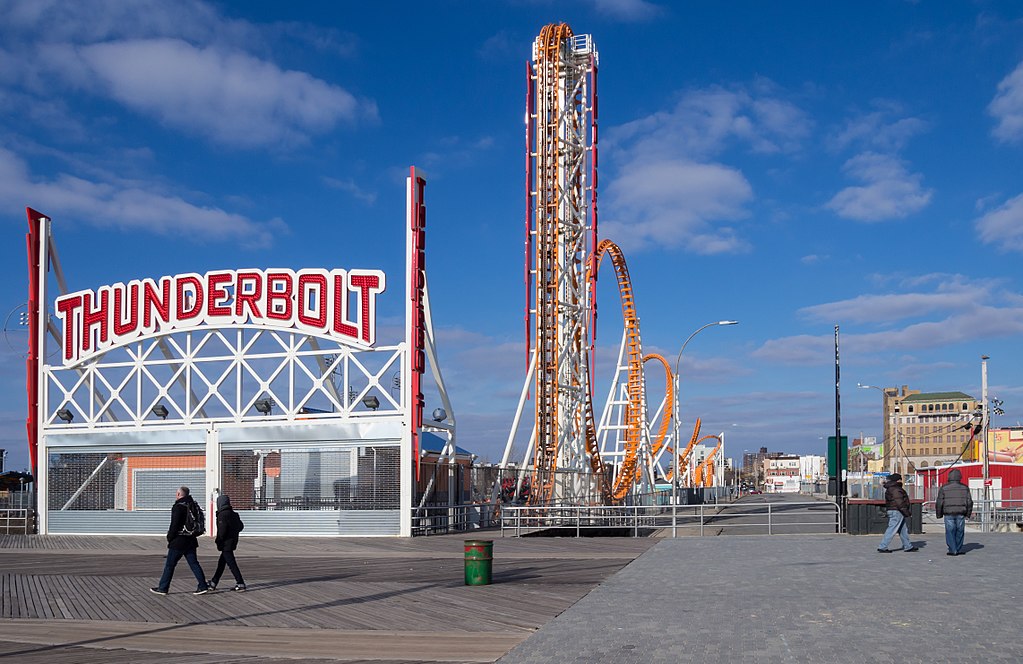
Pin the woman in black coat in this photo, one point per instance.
(229, 525)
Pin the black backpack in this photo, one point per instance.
(195, 520)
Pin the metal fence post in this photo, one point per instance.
(769, 529)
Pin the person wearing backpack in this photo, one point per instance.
(187, 523)
(229, 524)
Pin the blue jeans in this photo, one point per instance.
(955, 529)
(173, 556)
(897, 523)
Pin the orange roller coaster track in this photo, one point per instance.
(635, 412)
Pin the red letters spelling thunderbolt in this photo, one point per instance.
(337, 304)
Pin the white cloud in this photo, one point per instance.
(890, 192)
(1007, 107)
(677, 204)
(706, 121)
(351, 187)
(101, 20)
(228, 96)
(668, 187)
(957, 310)
(880, 129)
(890, 307)
(133, 206)
(1003, 226)
(182, 63)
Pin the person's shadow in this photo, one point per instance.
(972, 546)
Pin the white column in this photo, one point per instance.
(213, 488)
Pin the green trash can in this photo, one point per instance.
(478, 562)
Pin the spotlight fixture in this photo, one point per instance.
(264, 406)
(371, 402)
(66, 415)
(439, 414)
(160, 411)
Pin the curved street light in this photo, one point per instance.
(675, 453)
(893, 453)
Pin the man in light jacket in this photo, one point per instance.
(955, 504)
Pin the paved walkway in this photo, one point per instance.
(762, 599)
(797, 599)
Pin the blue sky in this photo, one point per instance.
(790, 165)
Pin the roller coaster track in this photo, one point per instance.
(706, 468)
(562, 260)
(635, 420)
(635, 413)
(684, 455)
(669, 398)
(560, 233)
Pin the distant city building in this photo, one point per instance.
(781, 473)
(813, 468)
(753, 466)
(925, 429)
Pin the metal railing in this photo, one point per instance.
(440, 520)
(988, 514)
(709, 519)
(16, 521)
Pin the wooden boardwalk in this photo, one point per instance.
(81, 599)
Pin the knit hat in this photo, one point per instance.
(223, 501)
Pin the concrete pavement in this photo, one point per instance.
(815, 598)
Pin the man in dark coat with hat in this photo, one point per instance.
(896, 501)
(955, 504)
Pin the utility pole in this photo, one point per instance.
(985, 420)
(839, 471)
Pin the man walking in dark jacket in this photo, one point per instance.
(896, 501)
(955, 504)
(229, 525)
(180, 544)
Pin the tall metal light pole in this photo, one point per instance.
(675, 462)
(985, 420)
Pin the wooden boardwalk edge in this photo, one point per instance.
(335, 645)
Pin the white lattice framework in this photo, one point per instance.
(212, 374)
(613, 427)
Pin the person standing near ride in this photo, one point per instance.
(896, 501)
(955, 504)
(229, 525)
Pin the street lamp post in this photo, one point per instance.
(675, 453)
(893, 444)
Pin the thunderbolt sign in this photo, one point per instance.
(313, 301)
